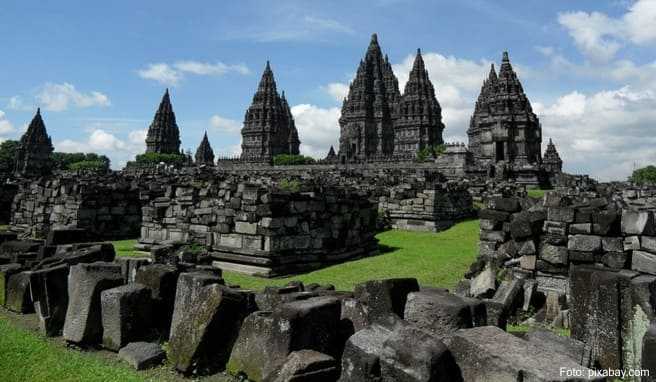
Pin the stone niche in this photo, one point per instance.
(108, 206)
(263, 229)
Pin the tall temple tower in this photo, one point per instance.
(204, 153)
(34, 150)
(418, 114)
(269, 126)
(367, 121)
(163, 134)
(293, 141)
(551, 160)
(503, 126)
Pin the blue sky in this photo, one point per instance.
(99, 69)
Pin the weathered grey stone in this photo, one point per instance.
(203, 340)
(410, 354)
(527, 248)
(187, 290)
(584, 243)
(560, 214)
(49, 290)
(439, 313)
(83, 322)
(490, 354)
(6, 271)
(142, 355)
(484, 283)
(528, 262)
(354, 316)
(126, 315)
(648, 351)
(648, 243)
(361, 357)
(638, 223)
(580, 228)
(612, 244)
(306, 366)
(550, 341)
(383, 297)
(504, 204)
(266, 338)
(18, 293)
(631, 243)
(644, 262)
(162, 280)
(130, 266)
(554, 254)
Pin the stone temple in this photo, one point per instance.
(34, 150)
(551, 159)
(504, 126)
(163, 134)
(204, 153)
(379, 123)
(269, 127)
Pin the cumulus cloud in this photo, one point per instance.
(5, 126)
(337, 90)
(17, 103)
(604, 134)
(600, 37)
(317, 127)
(59, 97)
(103, 142)
(172, 74)
(225, 124)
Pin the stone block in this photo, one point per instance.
(580, 228)
(570, 347)
(437, 312)
(489, 354)
(162, 280)
(383, 297)
(560, 214)
(648, 243)
(631, 243)
(188, 287)
(142, 355)
(504, 204)
(484, 284)
(554, 254)
(202, 341)
(605, 222)
(126, 315)
(527, 262)
(638, 223)
(49, 290)
(494, 236)
(18, 298)
(584, 243)
(644, 262)
(648, 361)
(612, 244)
(6, 271)
(361, 357)
(410, 354)
(83, 322)
(246, 228)
(306, 366)
(130, 266)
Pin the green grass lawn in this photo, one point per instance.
(125, 248)
(522, 328)
(536, 193)
(435, 259)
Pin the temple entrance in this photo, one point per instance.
(500, 154)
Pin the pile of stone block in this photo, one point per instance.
(262, 230)
(106, 206)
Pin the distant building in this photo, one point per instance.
(377, 122)
(504, 127)
(269, 127)
(204, 153)
(551, 160)
(163, 134)
(34, 150)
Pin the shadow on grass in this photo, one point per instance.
(383, 248)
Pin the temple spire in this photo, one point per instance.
(34, 149)
(163, 134)
(204, 153)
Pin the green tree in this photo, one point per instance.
(291, 160)
(8, 156)
(645, 175)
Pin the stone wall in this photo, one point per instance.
(106, 206)
(591, 255)
(263, 229)
(7, 193)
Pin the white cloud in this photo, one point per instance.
(5, 126)
(337, 90)
(172, 74)
(319, 23)
(290, 26)
(600, 36)
(102, 142)
(604, 134)
(161, 73)
(58, 97)
(318, 129)
(225, 124)
(17, 103)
